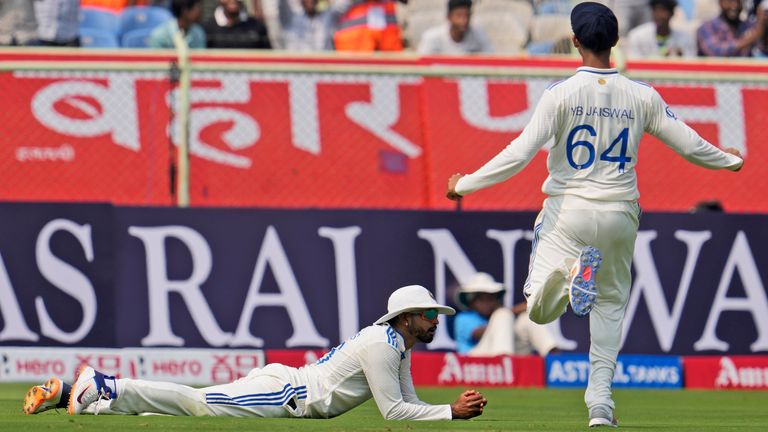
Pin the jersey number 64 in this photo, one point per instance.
(621, 159)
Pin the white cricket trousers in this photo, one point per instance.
(265, 392)
(565, 225)
(500, 339)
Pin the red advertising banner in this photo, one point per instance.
(726, 372)
(439, 369)
(294, 357)
(351, 139)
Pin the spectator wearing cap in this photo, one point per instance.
(457, 36)
(486, 328)
(728, 35)
(657, 38)
(187, 16)
(232, 27)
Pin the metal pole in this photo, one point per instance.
(182, 118)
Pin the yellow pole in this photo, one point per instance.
(182, 117)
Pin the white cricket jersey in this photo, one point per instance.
(372, 363)
(597, 118)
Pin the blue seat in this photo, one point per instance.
(138, 38)
(688, 6)
(540, 48)
(554, 7)
(142, 17)
(95, 38)
(92, 18)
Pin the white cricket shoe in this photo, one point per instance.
(89, 387)
(41, 398)
(597, 422)
(600, 416)
(582, 292)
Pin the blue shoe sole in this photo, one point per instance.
(582, 292)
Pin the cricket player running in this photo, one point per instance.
(585, 235)
(374, 363)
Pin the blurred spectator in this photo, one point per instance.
(630, 14)
(58, 22)
(729, 36)
(457, 36)
(308, 30)
(368, 25)
(708, 206)
(762, 45)
(232, 27)
(657, 38)
(485, 327)
(187, 14)
(255, 9)
(17, 22)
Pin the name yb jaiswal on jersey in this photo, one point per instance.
(593, 111)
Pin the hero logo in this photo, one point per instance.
(228, 368)
(746, 377)
(457, 371)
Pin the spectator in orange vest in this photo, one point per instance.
(114, 5)
(368, 25)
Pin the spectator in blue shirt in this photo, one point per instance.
(729, 36)
(486, 328)
(187, 14)
(307, 29)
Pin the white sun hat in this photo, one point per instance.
(412, 298)
(479, 283)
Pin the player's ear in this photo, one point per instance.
(575, 41)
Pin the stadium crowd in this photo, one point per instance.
(649, 28)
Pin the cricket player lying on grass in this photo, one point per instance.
(375, 362)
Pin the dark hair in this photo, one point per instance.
(669, 5)
(454, 4)
(393, 321)
(179, 6)
(595, 26)
(708, 206)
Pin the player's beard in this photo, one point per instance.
(426, 336)
(423, 335)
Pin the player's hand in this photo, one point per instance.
(737, 153)
(469, 404)
(451, 194)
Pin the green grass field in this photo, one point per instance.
(508, 410)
